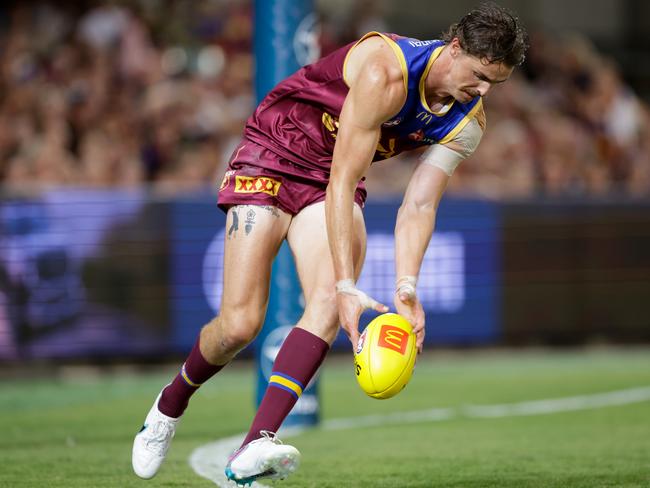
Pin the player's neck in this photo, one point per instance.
(435, 85)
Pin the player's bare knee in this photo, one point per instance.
(223, 337)
(236, 332)
(235, 337)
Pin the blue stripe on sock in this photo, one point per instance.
(302, 387)
(285, 388)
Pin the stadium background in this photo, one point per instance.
(116, 121)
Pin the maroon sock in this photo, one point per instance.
(297, 361)
(194, 372)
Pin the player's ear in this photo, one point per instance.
(455, 47)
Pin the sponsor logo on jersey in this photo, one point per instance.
(257, 184)
(425, 117)
(331, 123)
(226, 179)
(415, 43)
(417, 135)
(387, 148)
(392, 123)
(394, 338)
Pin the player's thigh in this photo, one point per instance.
(252, 240)
(308, 240)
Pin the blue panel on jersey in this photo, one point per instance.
(416, 121)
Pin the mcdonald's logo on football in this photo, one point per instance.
(394, 338)
(257, 184)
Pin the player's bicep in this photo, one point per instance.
(375, 95)
(356, 141)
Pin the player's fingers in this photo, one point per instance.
(368, 302)
(380, 307)
(419, 341)
(418, 326)
(406, 298)
(354, 338)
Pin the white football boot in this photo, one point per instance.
(151, 444)
(265, 457)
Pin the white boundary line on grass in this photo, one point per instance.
(209, 460)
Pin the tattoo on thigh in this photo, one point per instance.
(250, 221)
(234, 227)
(274, 211)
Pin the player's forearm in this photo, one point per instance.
(338, 212)
(413, 230)
(352, 155)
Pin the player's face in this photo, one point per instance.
(471, 76)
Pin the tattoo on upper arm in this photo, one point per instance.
(250, 221)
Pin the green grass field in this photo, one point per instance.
(76, 431)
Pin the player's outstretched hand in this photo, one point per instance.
(408, 306)
(351, 303)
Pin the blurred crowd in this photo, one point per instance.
(565, 125)
(122, 93)
(102, 94)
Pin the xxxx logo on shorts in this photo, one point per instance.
(393, 338)
(257, 184)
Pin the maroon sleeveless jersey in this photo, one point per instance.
(289, 140)
(285, 156)
(294, 120)
(298, 119)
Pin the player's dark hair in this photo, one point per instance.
(492, 33)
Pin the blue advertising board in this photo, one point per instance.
(197, 228)
(459, 284)
(81, 276)
(90, 274)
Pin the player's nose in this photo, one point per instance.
(483, 88)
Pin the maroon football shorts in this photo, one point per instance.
(258, 176)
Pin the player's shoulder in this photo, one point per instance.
(374, 57)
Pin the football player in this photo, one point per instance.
(298, 175)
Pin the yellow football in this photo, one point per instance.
(385, 356)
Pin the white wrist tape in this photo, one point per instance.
(406, 285)
(347, 287)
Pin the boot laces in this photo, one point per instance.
(161, 433)
(267, 434)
